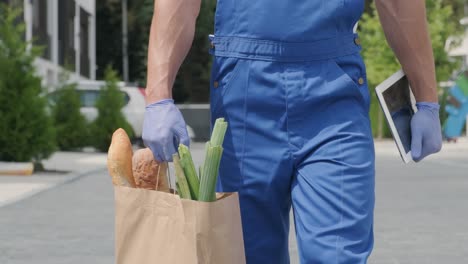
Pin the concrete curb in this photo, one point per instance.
(16, 168)
(68, 179)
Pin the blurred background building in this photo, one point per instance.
(66, 29)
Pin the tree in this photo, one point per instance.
(26, 130)
(381, 62)
(140, 17)
(108, 36)
(192, 81)
(109, 30)
(109, 105)
(71, 125)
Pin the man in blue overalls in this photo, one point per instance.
(289, 79)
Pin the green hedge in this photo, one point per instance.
(110, 117)
(26, 128)
(71, 125)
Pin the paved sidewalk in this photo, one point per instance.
(61, 166)
(70, 224)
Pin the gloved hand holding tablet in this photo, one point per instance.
(415, 126)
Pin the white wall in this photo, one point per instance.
(88, 5)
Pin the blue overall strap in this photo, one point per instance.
(270, 50)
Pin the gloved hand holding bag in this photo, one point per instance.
(164, 129)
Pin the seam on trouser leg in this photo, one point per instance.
(286, 96)
(340, 224)
(244, 125)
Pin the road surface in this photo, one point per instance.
(421, 215)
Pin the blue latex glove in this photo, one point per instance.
(163, 129)
(426, 134)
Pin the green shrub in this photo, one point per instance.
(26, 129)
(70, 124)
(110, 117)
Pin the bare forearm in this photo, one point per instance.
(405, 26)
(171, 35)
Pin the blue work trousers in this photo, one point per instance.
(299, 135)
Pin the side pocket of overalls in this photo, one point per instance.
(224, 70)
(353, 68)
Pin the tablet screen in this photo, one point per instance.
(398, 100)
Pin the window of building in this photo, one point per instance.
(39, 26)
(66, 36)
(84, 43)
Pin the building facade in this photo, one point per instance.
(67, 31)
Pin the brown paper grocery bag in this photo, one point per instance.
(154, 227)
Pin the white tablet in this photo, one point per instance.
(399, 105)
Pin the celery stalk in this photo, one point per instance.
(209, 172)
(190, 172)
(182, 185)
(200, 171)
(207, 147)
(219, 130)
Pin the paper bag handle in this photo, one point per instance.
(169, 178)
